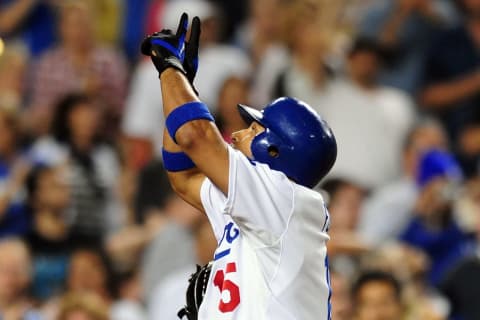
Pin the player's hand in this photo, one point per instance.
(166, 49)
(190, 63)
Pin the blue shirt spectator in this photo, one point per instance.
(433, 228)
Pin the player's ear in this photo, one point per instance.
(273, 151)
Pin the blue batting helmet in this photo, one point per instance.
(296, 140)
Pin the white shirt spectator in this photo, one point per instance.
(387, 212)
(127, 310)
(144, 114)
(370, 127)
(169, 296)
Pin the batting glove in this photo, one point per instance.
(167, 50)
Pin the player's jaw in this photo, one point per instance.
(242, 139)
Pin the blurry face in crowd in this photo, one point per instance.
(7, 135)
(364, 67)
(376, 300)
(234, 90)
(87, 273)
(435, 199)
(14, 270)
(242, 140)
(345, 207)
(309, 40)
(306, 29)
(84, 122)
(53, 191)
(426, 137)
(76, 26)
(262, 12)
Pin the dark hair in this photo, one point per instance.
(154, 189)
(376, 276)
(31, 182)
(365, 44)
(92, 247)
(60, 127)
(62, 133)
(334, 185)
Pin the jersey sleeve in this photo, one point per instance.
(259, 199)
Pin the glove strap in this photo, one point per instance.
(188, 112)
(176, 161)
(170, 62)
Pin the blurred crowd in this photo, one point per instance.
(89, 226)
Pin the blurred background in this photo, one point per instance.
(89, 227)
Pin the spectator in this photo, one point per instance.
(366, 117)
(88, 272)
(344, 202)
(261, 32)
(452, 83)
(14, 219)
(387, 211)
(261, 37)
(377, 296)
(92, 166)
(128, 305)
(168, 297)
(462, 284)
(127, 245)
(234, 90)
(433, 228)
(49, 239)
(84, 306)
(77, 64)
(107, 20)
(404, 28)
(307, 75)
(410, 266)
(173, 246)
(160, 239)
(15, 277)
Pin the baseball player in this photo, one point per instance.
(271, 261)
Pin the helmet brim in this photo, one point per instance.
(250, 114)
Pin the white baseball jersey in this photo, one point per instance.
(271, 260)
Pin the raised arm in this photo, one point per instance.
(190, 126)
(440, 95)
(13, 14)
